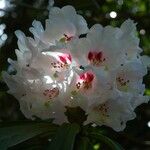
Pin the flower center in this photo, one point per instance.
(65, 58)
(51, 93)
(85, 81)
(67, 37)
(122, 83)
(96, 58)
(62, 62)
(103, 110)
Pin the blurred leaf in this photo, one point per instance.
(14, 133)
(142, 7)
(83, 143)
(65, 137)
(110, 143)
(147, 92)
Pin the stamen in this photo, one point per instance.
(96, 58)
(122, 81)
(67, 37)
(85, 81)
(51, 93)
(103, 109)
(59, 65)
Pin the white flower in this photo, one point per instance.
(129, 39)
(36, 96)
(128, 77)
(102, 72)
(63, 23)
(107, 46)
(114, 112)
(99, 48)
(41, 80)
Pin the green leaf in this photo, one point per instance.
(109, 142)
(83, 143)
(65, 137)
(12, 134)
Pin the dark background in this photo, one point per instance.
(19, 14)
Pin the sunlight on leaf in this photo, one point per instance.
(96, 146)
(147, 92)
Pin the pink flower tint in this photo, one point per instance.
(68, 38)
(65, 58)
(96, 58)
(88, 77)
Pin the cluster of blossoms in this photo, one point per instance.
(68, 65)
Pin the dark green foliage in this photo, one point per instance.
(14, 133)
(64, 138)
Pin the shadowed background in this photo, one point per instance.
(19, 14)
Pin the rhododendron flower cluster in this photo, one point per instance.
(66, 64)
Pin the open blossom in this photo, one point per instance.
(108, 46)
(63, 24)
(101, 72)
(114, 112)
